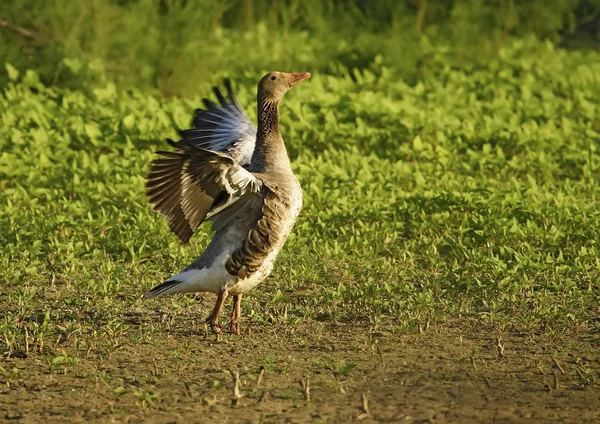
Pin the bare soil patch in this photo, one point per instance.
(455, 372)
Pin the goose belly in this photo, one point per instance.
(243, 285)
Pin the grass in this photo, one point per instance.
(470, 194)
(180, 47)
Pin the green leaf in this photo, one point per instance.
(13, 73)
(119, 391)
(73, 64)
(417, 144)
(344, 369)
(129, 121)
(92, 131)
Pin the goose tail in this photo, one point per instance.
(168, 287)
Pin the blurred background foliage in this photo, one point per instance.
(179, 47)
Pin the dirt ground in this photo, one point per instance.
(457, 372)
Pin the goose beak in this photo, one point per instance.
(295, 79)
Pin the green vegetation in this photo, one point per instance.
(472, 193)
(180, 47)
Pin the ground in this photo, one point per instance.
(462, 370)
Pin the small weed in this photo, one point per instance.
(342, 368)
(146, 397)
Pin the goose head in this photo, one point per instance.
(274, 85)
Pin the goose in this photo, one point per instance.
(228, 171)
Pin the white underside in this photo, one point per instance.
(210, 279)
(215, 278)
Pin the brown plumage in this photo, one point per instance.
(262, 238)
(239, 176)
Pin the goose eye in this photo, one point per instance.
(274, 77)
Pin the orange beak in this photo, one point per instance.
(295, 79)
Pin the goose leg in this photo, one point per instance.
(213, 318)
(236, 314)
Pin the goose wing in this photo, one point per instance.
(223, 127)
(190, 184)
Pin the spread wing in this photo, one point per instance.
(223, 127)
(190, 184)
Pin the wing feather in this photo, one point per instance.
(189, 184)
(223, 127)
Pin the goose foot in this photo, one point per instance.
(236, 312)
(215, 327)
(213, 318)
